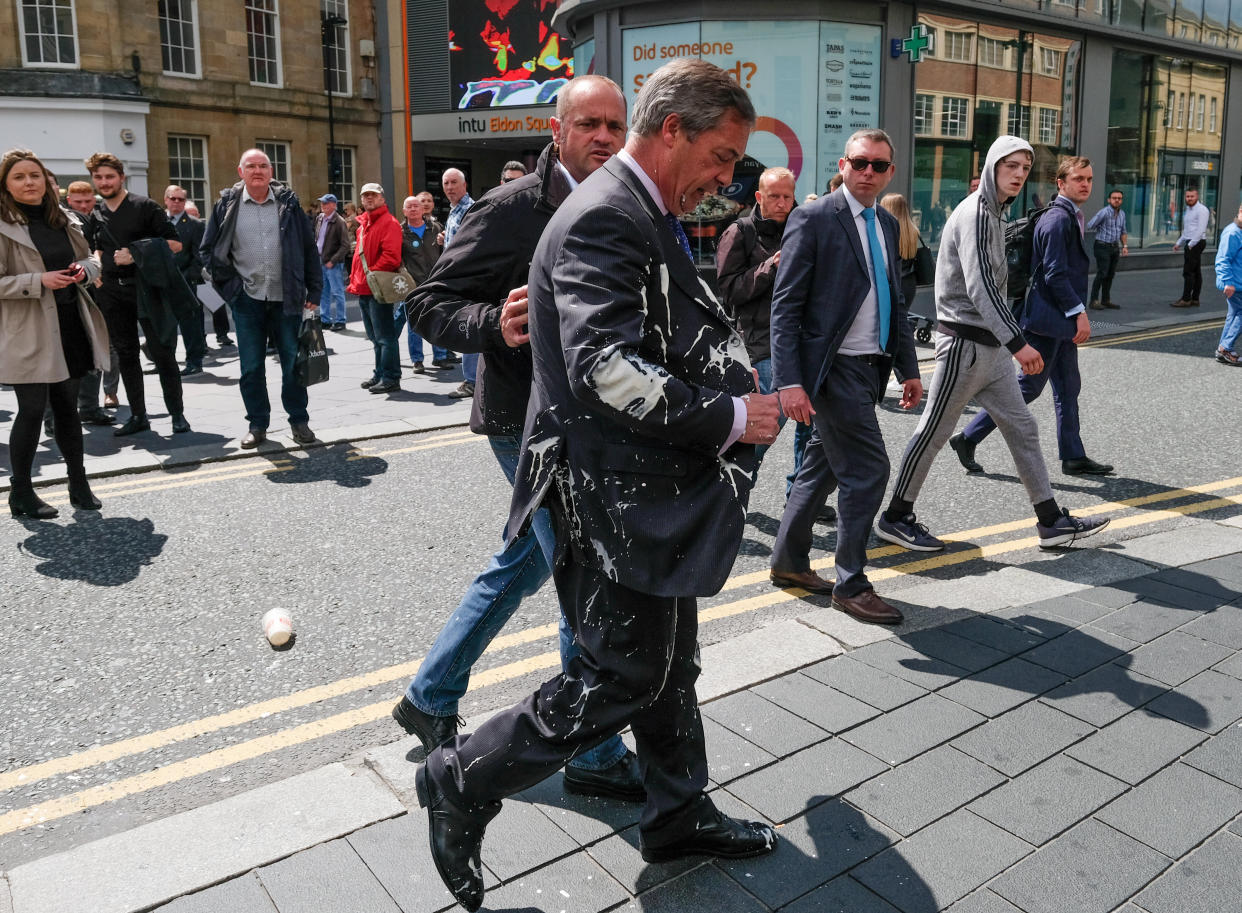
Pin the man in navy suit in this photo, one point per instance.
(639, 438)
(1054, 321)
(839, 328)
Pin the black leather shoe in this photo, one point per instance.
(191, 369)
(827, 514)
(390, 386)
(96, 416)
(368, 384)
(254, 437)
(302, 433)
(23, 502)
(622, 780)
(179, 424)
(133, 425)
(725, 838)
(1085, 466)
(80, 495)
(431, 730)
(965, 451)
(456, 838)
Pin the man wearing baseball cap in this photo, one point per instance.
(333, 242)
(379, 242)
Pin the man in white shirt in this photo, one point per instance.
(1194, 237)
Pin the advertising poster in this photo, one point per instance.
(781, 64)
(504, 53)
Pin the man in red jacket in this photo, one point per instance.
(379, 242)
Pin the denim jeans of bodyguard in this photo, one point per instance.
(515, 572)
(255, 320)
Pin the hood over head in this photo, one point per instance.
(1003, 146)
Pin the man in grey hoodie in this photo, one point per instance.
(978, 334)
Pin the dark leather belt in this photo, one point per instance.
(875, 360)
(119, 280)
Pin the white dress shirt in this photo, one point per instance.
(863, 337)
(1194, 224)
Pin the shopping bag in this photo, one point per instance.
(311, 364)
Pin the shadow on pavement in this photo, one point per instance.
(101, 551)
(339, 463)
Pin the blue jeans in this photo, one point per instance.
(802, 433)
(255, 321)
(1233, 323)
(377, 321)
(413, 339)
(515, 572)
(470, 366)
(333, 303)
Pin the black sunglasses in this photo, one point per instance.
(879, 166)
(177, 199)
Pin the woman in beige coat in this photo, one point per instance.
(51, 334)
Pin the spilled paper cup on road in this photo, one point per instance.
(278, 627)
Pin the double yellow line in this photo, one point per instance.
(1198, 499)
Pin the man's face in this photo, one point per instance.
(705, 164)
(255, 170)
(864, 183)
(412, 209)
(775, 197)
(428, 201)
(453, 186)
(174, 202)
(974, 185)
(327, 207)
(1192, 197)
(1011, 172)
(192, 210)
(1114, 199)
(593, 130)
(372, 200)
(109, 182)
(1076, 186)
(81, 202)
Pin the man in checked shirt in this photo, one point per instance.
(1109, 225)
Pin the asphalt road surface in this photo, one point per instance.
(136, 681)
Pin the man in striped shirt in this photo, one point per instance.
(1109, 225)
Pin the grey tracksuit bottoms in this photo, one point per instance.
(967, 370)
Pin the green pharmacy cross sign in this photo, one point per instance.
(915, 45)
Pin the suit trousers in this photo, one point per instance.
(637, 663)
(1192, 272)
(119, 304)
(193, 332)
(1061, 370)
(846, 452)
(968, 370)
(1106, 256)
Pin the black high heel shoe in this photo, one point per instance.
(81, 497)
(23, 502)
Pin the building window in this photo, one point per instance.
(336, 76)
(1212, 117)
(279, 154)
(179, 37)
(1050, 62)
(991, 52)
(1049, 126)
(957, 45)
(953, 117)
(263, 39)
(1199, 118)
(187, 167)
(1019, 120)
(1181, 110)
(341, 161)
(925, 110)
(1168, 109)
(49, 33)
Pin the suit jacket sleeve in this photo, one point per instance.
(600, 276)
(793, 288)
(1052, 234)
(458, 306)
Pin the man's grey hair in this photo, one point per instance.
(871, 134)
(565, 97)
(173, 187)
(457, 171)
(242, 158)
(698, 92)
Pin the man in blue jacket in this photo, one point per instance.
(1054, 321)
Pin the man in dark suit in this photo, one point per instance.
(838, 329)
(1054, 321)
(639, 438)
(190, 265)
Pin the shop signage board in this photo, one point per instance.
(483, 123)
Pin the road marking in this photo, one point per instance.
(252, 748)
(138, 487)
(464, 437)
(1142, 335)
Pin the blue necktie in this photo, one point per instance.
(674, 225)
(880, 273)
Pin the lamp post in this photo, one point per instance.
(328, 24)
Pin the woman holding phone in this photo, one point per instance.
(52, 334)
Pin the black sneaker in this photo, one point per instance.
(432, 731)
(908, 533)
(1068, 529)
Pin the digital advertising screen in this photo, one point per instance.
(503, 53)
